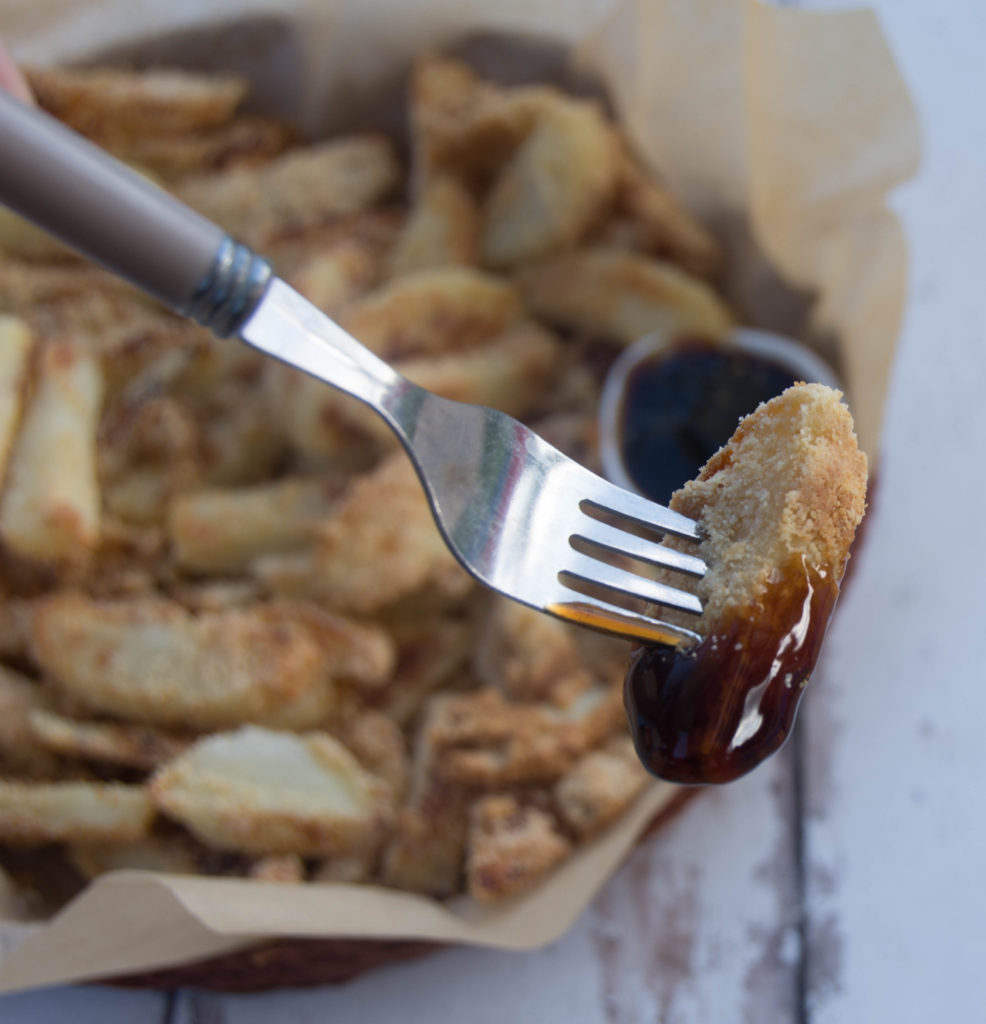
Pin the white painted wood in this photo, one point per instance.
(84, 1006)
(702, 924)
(896, 834)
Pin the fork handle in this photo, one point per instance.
(97, 205)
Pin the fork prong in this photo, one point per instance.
(607, 497)
(620, 542)
(597, 614)
(591, 570)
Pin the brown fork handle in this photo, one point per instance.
(95, 204)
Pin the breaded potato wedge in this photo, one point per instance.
(118, 743)
(431, 311)
(171, 854)
(238, 446)
(325, 429)
(377, 743)
(442, 230)
(302, 406)
(525, 653)
(432, 651)
(103, 102)
(299, 190)
(427, 849)
(509, 372)
(147, 428)
(216, 595)
(331, 277)
(19, 237)
(278, 867)
(148, 450)
(372, 231)
(600, 787)
(489, 742)
(50, 508)
(141, 349)
(510, 847)
(360, 653)
(26, 285)
(207, 372)
(55, 812)
(21, 697)
(265, 792)
(381, 544)
(222, 530)
(555, 185)
(667, 228)
(349, 870)
(141, 496)
(461, 125)
(245, 141)
(149, 660)
(131, 560)
(16, 343)
(16, 616)
(621, 295)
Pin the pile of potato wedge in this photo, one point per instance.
(231, 637)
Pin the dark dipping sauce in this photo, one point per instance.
(711, 713)
(680, 408)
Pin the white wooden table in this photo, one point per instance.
(844, 881)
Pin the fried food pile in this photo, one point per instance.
(232, 640)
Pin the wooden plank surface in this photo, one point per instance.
(895, 830)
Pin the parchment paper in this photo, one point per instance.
(784, 130)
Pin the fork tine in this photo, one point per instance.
(620, 542)
(607, 497)
(591, 570)
(591, 611)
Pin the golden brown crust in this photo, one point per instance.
(35, 813)
(621, 295)
(485, 741)
(461, 124)
(431, 312)
(511, 846)
(381, 544)
(134, 746)
(297, 191)
(554, 186)
(153, 662)
(790, 482)
(103, 102)
(526, 652)
(600, 787)
(264, 792)
(427, 848)
(442, 229)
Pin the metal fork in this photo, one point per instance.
(519, 515)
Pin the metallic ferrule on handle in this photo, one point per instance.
(232, 289)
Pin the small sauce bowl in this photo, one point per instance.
(670, 402)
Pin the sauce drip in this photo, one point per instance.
(680, 408)
(713, 713)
